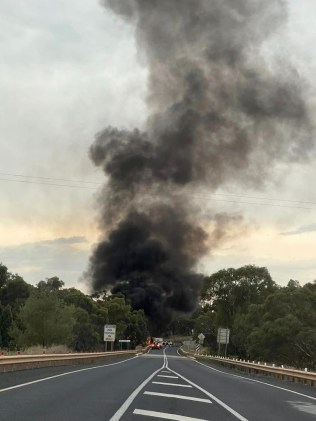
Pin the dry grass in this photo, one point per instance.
(54, 349)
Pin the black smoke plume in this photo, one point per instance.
(219, 113)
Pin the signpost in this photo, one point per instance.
(222, 338)
(124, 341)
(109, 335)
(201, 338)
(189, 345)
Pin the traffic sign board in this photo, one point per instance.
(223, 336)
(201, 337)
(109, 333)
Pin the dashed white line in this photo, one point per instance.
(165, 415)
(170, 395)
(172, 384)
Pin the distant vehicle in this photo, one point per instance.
(154, 343)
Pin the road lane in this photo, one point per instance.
(83, 395)
(158, 385)
(253, 399)
(176, 398)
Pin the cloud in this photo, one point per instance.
(61, 241)
(301, 230)
(62, 257)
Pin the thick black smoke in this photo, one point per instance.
(219, 113)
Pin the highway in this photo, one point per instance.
(158, 385)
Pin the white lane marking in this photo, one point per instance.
(179, 352)
(169, 395)
(221, 403)
(168, 377)
(151, 356)
(165, 415)
(172, 384)
(258, 381)
(61, 375)
(121, 411)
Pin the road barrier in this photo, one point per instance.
(23, 362)
(289, 374)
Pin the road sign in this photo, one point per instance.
(189, 345)
(222, 336)
(109, 333)
(125, 340)
(201, 337)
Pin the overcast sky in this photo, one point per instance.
(70, 68)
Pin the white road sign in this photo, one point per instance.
(201, 337)
(109, 333)
(222, 336)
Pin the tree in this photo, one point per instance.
(3, 275)
(6, 321)
(51, 284)
(230, 291)
(282, 329)
(136, 329)
(14, 291)
(73, 296)
(85, 334)
(46, 320)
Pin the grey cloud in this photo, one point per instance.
(70, 240)
(40, 260)
(301, 230)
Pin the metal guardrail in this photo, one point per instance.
(20, 362)
(257, 368)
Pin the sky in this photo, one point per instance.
(68, 69)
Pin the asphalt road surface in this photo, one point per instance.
(160, 385)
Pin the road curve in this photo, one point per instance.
(159, 385)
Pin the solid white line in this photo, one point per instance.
(168, 377)
(61, 375)
(221, 403)
(165, 415)
(121, 411)
(179, 352)
(169, 395)
(173, 384)
(257, 381)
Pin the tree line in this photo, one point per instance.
(48, 314)
(267, 322)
